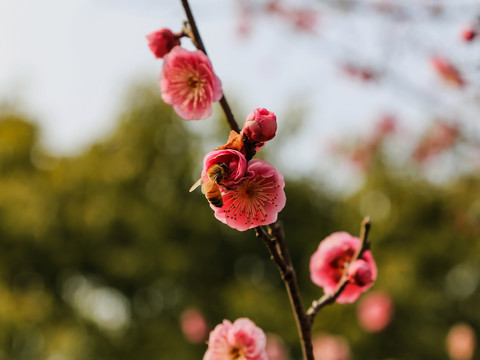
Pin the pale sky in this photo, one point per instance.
(68, 63)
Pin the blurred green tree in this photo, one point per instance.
(100, 253)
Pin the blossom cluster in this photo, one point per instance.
(244, 193)
(187, 80)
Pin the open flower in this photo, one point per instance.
(234, 160)
(189, 84)
(333, 258)
(162, 41)
(240, 340)
(254, 201)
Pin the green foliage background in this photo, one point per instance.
(117, 222)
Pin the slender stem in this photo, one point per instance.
(197, 40)
(275, 242)
(329, 299)
(290, 279)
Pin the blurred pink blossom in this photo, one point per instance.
(332, 259)
(461, 342)
(189, 84)
(162, 41)
(194, 326)
(375, 311)
(440, 137)
(240, 340)
(234, 160)
(254, 201)
(260, 125)
(330, 347)
(276, 348)
(468, 33)
(447, 71)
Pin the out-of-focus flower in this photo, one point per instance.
(234, 160)
(194, 326)
(162, 41)
(189, 84)
(461, 342)
(276, 348)
(330, 347)
(260, 125)
(254, 201)
(333, 258)
(363, 73)
(240, 340)
(375, 311)
(468, 33)
(441, 137)
(449, 73)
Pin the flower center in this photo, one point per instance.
(194, 81)
(340, 263)
(236, 354)
(248, 192)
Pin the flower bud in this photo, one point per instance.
(162, 41)
(468, 33)
(360, 273)
(260, 125)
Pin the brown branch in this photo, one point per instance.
(329, 299)
(194, 34)
(275, 241)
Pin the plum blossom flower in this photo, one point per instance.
(276, 348)
(162, 41)
(447, 71)
(242, 340)
(233, 159)
(194, 325)
(461, 342)
(333, 258)
(254, 201)
(260, 125)
(189, 84)
(375, 311)
(330, 347)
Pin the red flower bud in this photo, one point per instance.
(360, 273)
(468, 33)
(162, 41)
(260, 125)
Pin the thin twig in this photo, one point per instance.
(197, 41)
(329, 299)
(275, 242)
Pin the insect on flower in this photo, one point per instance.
(210, 181)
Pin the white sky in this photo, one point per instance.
(68, 62)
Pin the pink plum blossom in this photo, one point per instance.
(260, 125)
(194, 326)
(254, 201)
(330, 347)
(276, 348)
(461, 342)
(332, 258)
(189, 84)
(375, 311)
(233, 159)
(162, 41)
(242, 340)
